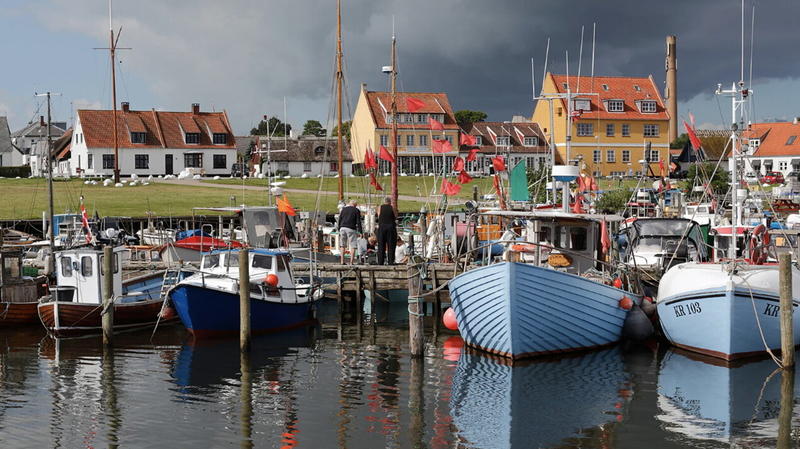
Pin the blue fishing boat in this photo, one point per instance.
(551, 294)
(208, 302)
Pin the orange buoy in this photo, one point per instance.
(271, 280)
(617, 283)
(449, 319)
(626, 303)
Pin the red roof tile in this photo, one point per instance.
(380, 104)
(516, 131)
(619, 88)
(162, 128)
(777, 139)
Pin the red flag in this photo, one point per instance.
(499, 163)
(472, 154)
(692, 137)
(593, 184)
(85, 223)
(605, 241)
(661, 167)
(435, 124)
(369, 159)
(414, 104)
(285, 206)
(386, 155)
(449, 188)
(458, 164)
(467, 139)
(577, 207)
(374, 182)
(442, 146)
(582, 182)
(464, 177)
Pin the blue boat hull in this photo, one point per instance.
(207, 312)
(519, 310)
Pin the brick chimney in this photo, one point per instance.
(195, 108)
(41, 120)
(126, 107)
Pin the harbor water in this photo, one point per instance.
(341, 384)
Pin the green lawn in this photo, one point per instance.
(27, 198)
(407, 185)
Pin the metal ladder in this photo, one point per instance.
(171, 277)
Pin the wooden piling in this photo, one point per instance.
(785, 412)
(787, 337)
(415, 325)
(244, 299)
(359, 303)
(108, 296)
(437, 302)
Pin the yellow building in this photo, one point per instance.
(613, 121)
(372, 127)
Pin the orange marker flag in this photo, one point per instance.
(285, 206)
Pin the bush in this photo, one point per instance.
(23, 171)
(613, 201)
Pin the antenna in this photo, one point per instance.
(594, 31)
(741, 76)
(533, 80)
(567, 59)
(580, 60)
(546, 55)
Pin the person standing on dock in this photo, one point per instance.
(387, 232)
(349, 229)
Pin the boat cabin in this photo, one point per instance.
(656, 242)
(723, 238)
(262, 263)
(702, 213)
(80, 274)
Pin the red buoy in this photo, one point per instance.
(617, 282)
(449, 319)
(271, 280)
(626, 303)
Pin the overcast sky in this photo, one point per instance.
(245, 56)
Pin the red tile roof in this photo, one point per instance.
(380, 103)
(619, 88)
(517, 133)
(774, 138)
(162, 128)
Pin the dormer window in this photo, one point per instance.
(503, 141)
(648, 106)
(754, 143)
(138, 137)
(530, 141)
(605, 87)
(478, 140)
(192, 138)
(564, 85)
(220, 139)
(791, 140)
(615, 105)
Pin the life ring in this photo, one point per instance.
(759, 240)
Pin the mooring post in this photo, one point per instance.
(785, 413)
(244, 299)
(108, 296)
(415, 325)
(787, 337)
(359, 302)
(437, 302)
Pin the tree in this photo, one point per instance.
(272, 127)
(695, 176)
(314, 128)
(466, 117)
(345, 130)
(613, 201)
(680, 142)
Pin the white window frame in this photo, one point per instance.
(615, 105)
(611, 156)
(585, 129)
(648, 106)
(530, 141)
(610, 129)
(478, 140)
(503, 141)
(626, 130)
(626, 156)
(596, 156)
(651, 130)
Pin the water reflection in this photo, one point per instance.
(705, 400)
(537, 404)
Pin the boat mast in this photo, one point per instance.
(51, 263)
(394, 120)
(112, 51)
(339, 76)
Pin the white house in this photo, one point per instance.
(152, 142)
(304, 155)
(773, 147)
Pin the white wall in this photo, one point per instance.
(156, 161)
(298, 168)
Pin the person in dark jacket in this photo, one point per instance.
(387, 232)
(349, 229)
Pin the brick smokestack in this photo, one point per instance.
(126, 107)
(671, 92)
(195, 108)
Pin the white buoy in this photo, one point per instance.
(196, 177)
(119, 184)
(216, 178)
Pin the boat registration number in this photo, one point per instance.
(692, 308)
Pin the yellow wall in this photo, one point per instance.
(362, 130)
(585, 146)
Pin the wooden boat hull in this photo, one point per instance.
(518, 310)
(69, 319)
(18, 313)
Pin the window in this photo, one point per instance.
(89, 161)
(585, 129)
(281, 265)
(436, 137)
(637, 88)
(108, 161)
(138, 137)
(86, 266)
(66, 266)
(648, 106)
(626, 130)
(220, 138)
(605, 86)
(611, 156)
(530, 141)
(626, 156)
(754, 143)
(398, 140)
(478, 140)
(193, 160)
(652, 156)
(306, 166)
(581, 105)
(334, 166)
(783, 165)
(211, 261)
(142, 161)
(449, 139)
(192, 137)
(384, 139)
(220, 161)
(421, 118)
(319, 150)
(610, 130)
(596, 156)
(564, 85)
(615, 105)
(651, 130)
(503, 140)
(791, 140)
(262, 261)
(410, 140)
(423, 140)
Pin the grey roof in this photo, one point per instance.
(301, 149)
(5, 136)
(34, 129)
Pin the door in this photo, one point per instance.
(168, 164)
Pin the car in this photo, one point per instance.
(773, 177)
(751, 178)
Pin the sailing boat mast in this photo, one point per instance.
(51, 263)
(112, 51)
(339, 76)
(394, 120)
